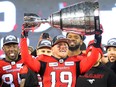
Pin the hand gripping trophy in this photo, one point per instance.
(79, 18)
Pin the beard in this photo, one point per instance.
(74, 48)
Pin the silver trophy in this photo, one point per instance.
(31, 21)
(78, 18)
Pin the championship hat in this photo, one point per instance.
(59, 38)
(44, 43)
(10, 39)
(111, 43)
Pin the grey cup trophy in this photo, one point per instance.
(78, 18)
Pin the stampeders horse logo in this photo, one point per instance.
(91, 81)
(10, 38)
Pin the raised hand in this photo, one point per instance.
(24, 33)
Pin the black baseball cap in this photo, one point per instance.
(44, 43)
(10, 39)
(111, 43)
(60, 38)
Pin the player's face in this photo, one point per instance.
(111, 54)
(46, 51)
(60, 50)
(11, 51)
(75, 40)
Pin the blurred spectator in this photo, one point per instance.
(111, 49)
(111, 53)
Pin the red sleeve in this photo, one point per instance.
(87, 62)
(27, 58)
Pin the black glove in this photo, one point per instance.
(98, 38)
(97, 42)
(24, 33)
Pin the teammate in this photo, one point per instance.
(75, 44)
(11, 64)
(98, 76)
(59, 70)
(111, 49)
(44, 47)
(43, 36)
(26, 74)
(111, 53)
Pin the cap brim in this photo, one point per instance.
(42, 46)
(10, 42)
(109, 46)
(61, 40)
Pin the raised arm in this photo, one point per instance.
(27, 58)
(87, 62)
(95, 49)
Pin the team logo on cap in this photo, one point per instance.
(10, 37)
(112, 41)
(60, 37)
(45, 42)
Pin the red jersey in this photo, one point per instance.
(9, 72)
(59, 72)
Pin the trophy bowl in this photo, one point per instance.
(31, 21)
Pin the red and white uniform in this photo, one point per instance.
(58, 72)
(9, 72)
